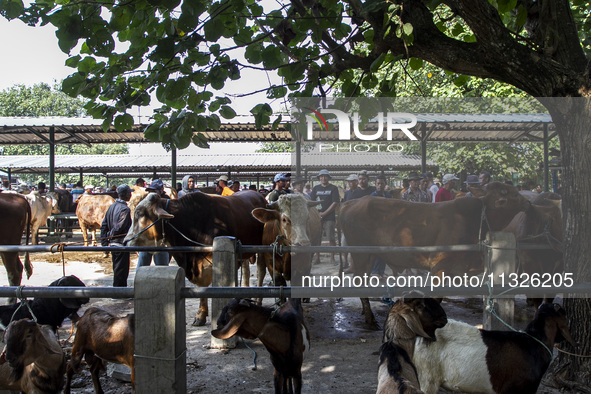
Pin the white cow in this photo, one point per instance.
(41, 208)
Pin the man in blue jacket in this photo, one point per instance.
(114, 228)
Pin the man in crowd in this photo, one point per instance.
(381, 188)
(364, 189)
(414, 193)
(221, 186)
(160, 258)
(472, 182)
(431, 185)
(188, 185)
(298, 186)
(352, 182)
(328, 194)
(484, 179)
(444, 194)
(114, 228)
(280, 185)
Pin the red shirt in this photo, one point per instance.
(443, 195)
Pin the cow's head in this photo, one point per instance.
(143, 232)
(291, 215)
(502, 202)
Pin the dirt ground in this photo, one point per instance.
(343, 356)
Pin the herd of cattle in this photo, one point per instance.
(198, 218)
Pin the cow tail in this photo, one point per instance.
(28, 265)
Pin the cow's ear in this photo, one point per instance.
(265, 215)
(162, 214)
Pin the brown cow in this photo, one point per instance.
(91, 211)
(293, 220)
(41, 208)
(197, 219)
(371, 221)
(16, 215)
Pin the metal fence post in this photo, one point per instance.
(501, 259)
(160, 334)
(225, 260)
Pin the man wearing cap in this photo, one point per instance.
(280, 182)
(364, 189)
(431, 185)
(160, 258)
(88, 189)
(221, 186)
(328, 194)
(298, 186)
(414, 193)
(352, 182)
(472, 182)
(444, 194)
(114, 228)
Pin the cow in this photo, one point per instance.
(15, 212)
(91, 211)
(196, 219)
(292, 220)
(372, 221)
(541, 225)
(65, 204)
(41, 208)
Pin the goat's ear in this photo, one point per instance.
(231, 328)
(413, 322)
(42, 341)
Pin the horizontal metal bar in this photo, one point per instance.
(79, 248)
(274, 292)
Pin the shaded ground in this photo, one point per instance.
(343, 356)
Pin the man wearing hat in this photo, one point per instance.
(221, 186)
(114, 228)
(414, 193)
(280, 184)
(328, 194)
(472, 182)
(444, 194)
(352, 182)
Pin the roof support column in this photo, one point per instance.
(423, 149)
(51, 159)
(173, 168)
(546, 171)
(298, 154)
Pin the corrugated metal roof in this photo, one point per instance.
(431, 127)
(255, 163)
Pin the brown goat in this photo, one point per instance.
(102, 336)
(283, 332)
(407, 319)
(36, 362)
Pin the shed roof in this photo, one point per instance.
(431, 127)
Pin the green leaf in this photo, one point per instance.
(461, 80)
(276, 92)
(87, 65)
(375, 65)
(73, 61)
(407, 28)
(415, 63)
(213, 122)
(272, 57)
(227, 112)
(213, 29)
(123, 122)
(200, 140)
(11, 9)
(262, 114)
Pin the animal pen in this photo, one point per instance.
(159, 296)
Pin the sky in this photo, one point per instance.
(30, 55)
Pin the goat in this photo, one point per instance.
(283, 332)
(467, 359)
(50, 311)
(102, 336)
(36, 362)
(407, 319)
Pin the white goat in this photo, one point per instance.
(466, 359)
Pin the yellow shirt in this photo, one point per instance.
(227, 191)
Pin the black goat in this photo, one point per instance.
(283, 332)
(50, 311)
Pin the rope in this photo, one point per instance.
(60, 249)
(492, 311)
(142, 231)
(24, 301)
(569, 353)
(254, 357)
(162, 358)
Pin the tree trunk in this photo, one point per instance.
(572, 117)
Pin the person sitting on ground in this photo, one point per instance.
(414, 193)
(280, 182)
(188, 185)
(445, 194)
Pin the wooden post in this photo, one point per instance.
(160, 336)
(224, 275)
(500, 259)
